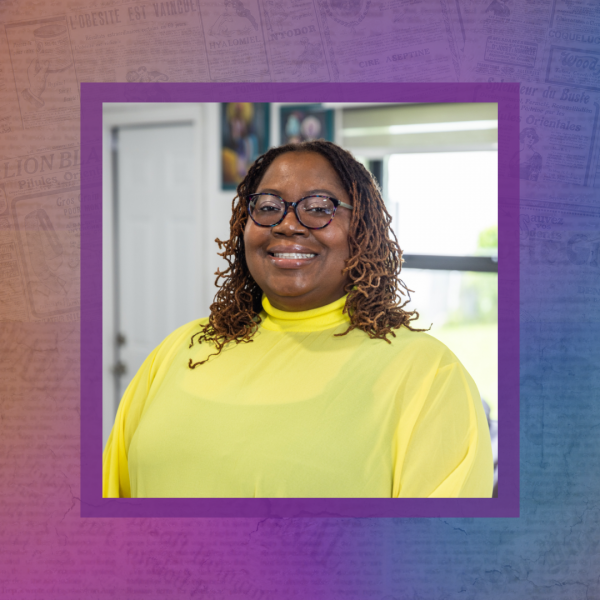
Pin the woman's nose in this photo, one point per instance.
(290, 225)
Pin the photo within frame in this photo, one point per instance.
(244, 137)
(305, 123)
(159, 505)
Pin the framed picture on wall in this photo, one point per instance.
(244, 137)
(305, 122)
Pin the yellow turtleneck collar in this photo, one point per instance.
(317, 319)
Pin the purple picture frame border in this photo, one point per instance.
(506, 95)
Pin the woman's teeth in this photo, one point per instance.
(290, 255)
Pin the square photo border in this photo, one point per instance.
(506, 95)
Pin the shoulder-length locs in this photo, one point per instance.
(376, 294)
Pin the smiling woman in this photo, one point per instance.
(336, 395)
(298, 259)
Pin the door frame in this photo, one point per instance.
(118, 115)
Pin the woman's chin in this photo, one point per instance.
(292, 300)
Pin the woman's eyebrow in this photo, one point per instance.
(305, 193)
(268, 191)
(322, 191)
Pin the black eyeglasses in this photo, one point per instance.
(313, 212)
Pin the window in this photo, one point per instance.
(438, 168)
(444, 210)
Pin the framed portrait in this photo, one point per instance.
(197, 97)
(305, 122)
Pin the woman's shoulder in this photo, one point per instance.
(182, 331)
(421, 346)
(178, 338)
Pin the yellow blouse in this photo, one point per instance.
(298, 412)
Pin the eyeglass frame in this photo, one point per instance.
(294, 205)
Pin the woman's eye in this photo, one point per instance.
(268, 208)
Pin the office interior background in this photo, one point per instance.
(165, 202)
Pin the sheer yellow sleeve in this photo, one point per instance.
(136, 399)
(443, 447)
(115, 468)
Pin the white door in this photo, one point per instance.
(157, 231)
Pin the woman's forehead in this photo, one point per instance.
(301, 168)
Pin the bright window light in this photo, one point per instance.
(421, 128)
(443, 202)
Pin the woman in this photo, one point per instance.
(307, 379)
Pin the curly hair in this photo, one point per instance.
(375, 293)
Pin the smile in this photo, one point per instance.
(292, 255)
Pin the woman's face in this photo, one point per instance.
(295, 284)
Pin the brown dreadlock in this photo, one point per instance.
(374, 303)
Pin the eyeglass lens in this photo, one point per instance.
(313, 211)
